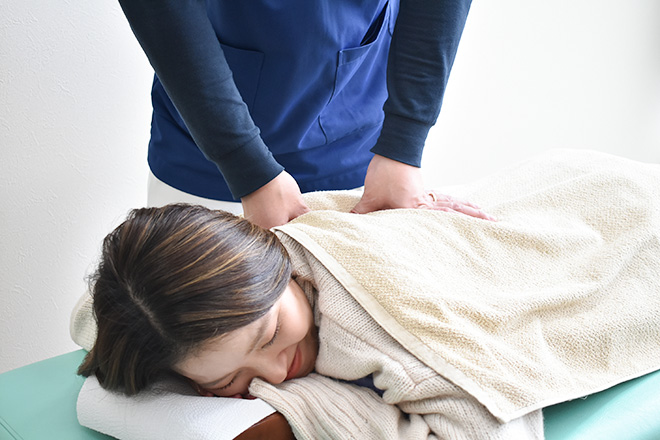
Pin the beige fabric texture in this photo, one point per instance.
(418, 403)
(82, 325)
(558, 299)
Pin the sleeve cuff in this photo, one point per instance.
(248, 168)
(402, 139)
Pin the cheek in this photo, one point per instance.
(304, 320)
(297, 330)
(298, 317)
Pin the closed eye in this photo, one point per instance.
(272, 340)
(224, 387)
(266, 345)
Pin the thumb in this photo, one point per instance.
(363, 207)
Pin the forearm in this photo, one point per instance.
(424, 46)
(183, 49)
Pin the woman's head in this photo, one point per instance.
(171, 279)
(279, 346)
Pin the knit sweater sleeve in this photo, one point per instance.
(423, 49)
(182, 47)
(320, 407)
(417, 403)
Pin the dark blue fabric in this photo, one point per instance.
(264, 85)
(421, 57)
(367, 382)
(315, 93)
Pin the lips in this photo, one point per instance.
(295, 365)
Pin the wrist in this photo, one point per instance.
(402, 139)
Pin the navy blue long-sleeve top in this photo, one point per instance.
(183, 47)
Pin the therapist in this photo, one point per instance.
(260, 100)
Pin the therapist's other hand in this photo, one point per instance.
(443, 202)
(276, 203)
(390, 184)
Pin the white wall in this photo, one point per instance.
(74, 120)
(535, 75)
(74, 123)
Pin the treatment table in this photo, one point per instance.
(38, 402)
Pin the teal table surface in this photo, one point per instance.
(628, 411)
(38, 402)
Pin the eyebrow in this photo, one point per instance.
(255, 342)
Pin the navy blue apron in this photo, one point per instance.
(312, 73)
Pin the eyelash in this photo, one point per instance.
(224, 387)
(272, 340)
(268, 344)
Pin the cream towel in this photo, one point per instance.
(557, 300)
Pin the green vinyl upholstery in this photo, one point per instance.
(630, 410)
(38, 401)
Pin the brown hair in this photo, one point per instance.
(172, 278)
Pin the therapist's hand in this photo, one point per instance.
(276, 203)
(390, 184)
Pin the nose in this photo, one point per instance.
(274, 370)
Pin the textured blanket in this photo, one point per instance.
(558, 299)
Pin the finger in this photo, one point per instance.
(364, 206)
(446, 198)
(467, 203)
(360, 208)
(463, 209)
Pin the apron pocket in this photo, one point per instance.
(360, 86)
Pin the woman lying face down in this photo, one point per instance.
(200, 293)
(279, 346)
(206, 295)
